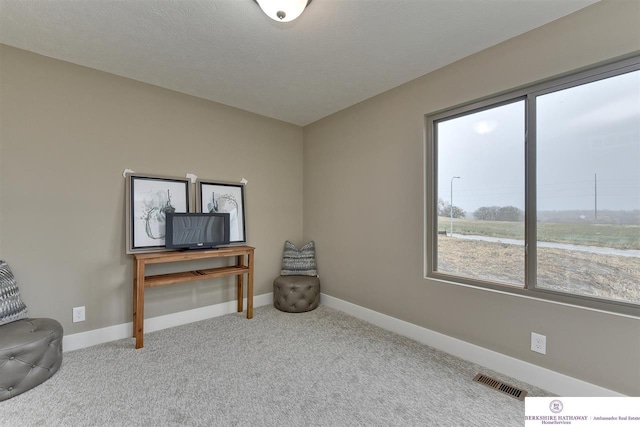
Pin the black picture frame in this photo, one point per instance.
(225, 197)
(148, 197)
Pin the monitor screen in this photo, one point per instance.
(197, 230)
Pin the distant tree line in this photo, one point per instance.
(605, 216)
(512, 213)
(499, 213)
(445, 209)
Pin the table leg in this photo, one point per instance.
(135, 298)
(250, 286)
(138, 308)
(240, 284)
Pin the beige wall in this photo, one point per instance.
(363, 205)
(67, 134)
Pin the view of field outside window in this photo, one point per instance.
(481, 195)
(588, 189)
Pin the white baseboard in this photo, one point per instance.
(549, 380)
(125, 330)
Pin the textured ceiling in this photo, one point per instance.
(338, 53)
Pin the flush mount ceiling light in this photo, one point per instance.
(283, 10)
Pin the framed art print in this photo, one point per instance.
(148, 199)
(224, 197)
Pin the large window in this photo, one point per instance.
(481, 194)
(538, 191)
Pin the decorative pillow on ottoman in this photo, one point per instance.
(11, 306)
(299, 262)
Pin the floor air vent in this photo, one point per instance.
(500, 386)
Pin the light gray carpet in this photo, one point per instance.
(322, 368)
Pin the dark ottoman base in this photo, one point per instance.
(30, 353)
(296, 294)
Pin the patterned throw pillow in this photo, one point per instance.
(299, 262)
(11, 306)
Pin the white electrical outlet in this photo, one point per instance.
(538, 343)
(78, 314)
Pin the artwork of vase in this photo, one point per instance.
(151, 202)
(155, 214)
(226, 203)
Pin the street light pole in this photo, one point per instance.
(595, 196)
(451, 203)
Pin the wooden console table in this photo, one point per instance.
(140, 281)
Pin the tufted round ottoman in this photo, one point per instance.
(296, 294)
(30, 353)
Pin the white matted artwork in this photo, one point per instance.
(225, 197)
(149, 198)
